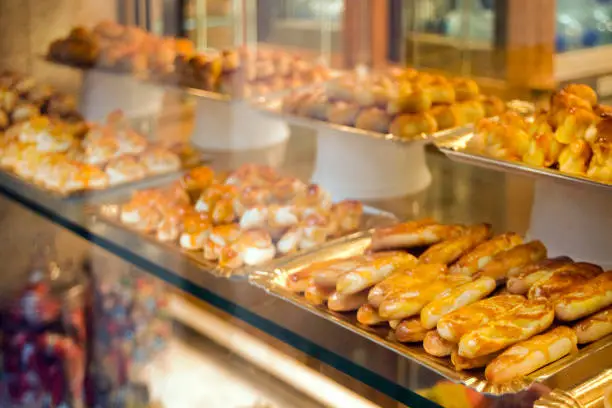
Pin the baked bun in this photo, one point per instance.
(408, 126)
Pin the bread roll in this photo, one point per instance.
(563, 279)
(373, 119)
(524, 279)
(413, 100)
(509, 262)
(585, 299)
(368, 315)
(413, 234)
(465, 89)
(436, 345)
(410, 331)
(317, 295)
(594, 327)
(346, 303)
(448, 251)
(462, 363)
(480, 256)
(409, 126)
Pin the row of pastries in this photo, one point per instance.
(481, 301)
(572, 135)
(240, 72)
(247, 217)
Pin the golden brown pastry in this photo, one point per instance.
(436, 345)
(521, 323)
(594, 327)
(582, 91)
(446, 116)
(484, 253)
(409, 126)
(441, 93)
(585, 299)
(524, 279)
(372, 270)
(575, 157)
(574, 124)
(300, 280)
(469, 111)
(468, 318)
(368, 315)
(492, 105)
(563, 279)
(509, 262)
(529, 355)
(455, 298)
(405, 304)
(373, 119)
(462, 363)
(410, 331)
(403, 280)
(544, 149)
(410, 100)
(317, 295)
(465, 89)
(346, 303)
(413, 234)
(447, 252)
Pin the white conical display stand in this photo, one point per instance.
(573, 220)
(222, 125)
(103, 93)
(350, 166)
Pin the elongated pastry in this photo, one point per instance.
(373, 270)
(403, 280)
(529, 355)
(300, 280)
(394, 323)
(436, 345)
(412, 234)
(520, 283)
(317, 295)
(346, 303)
(454, 299)
(521, 323)
(410, 331)
(328, 276)
(447, 252)
(475, 260)
(506, 263)
(462, 363)
(594, 327)
(467, 318)
(409, 303)
(585, 299)
(563, 279)
(368, 315)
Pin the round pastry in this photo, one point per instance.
(342, 89)
(254, 247)
(465, 89)
(343, 113)
(24, 112)
(287, 188)
(441, 93)
(196, 180)
(100, 150)
(582, 91)
(315, 107)
(196, 228)
(409, 126)
(446, 116)
(470, 111)
(410, 100)
(158, 160)
(124, 169)
(220, 237)
(374, 119)
(91, 177)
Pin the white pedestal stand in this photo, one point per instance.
(350, 166)
(103, 93)
(573, 220)
(221, 125)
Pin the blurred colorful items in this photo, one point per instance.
(451, 395)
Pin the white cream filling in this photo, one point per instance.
(257, 256)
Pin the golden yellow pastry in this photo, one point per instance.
(585, 299)
(448, 251)
(479, 257)
(410, 331)
(508, 263)
(594, 327)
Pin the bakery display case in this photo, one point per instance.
(394, 254)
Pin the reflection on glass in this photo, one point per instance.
(583, 24)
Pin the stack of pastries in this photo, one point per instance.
(22, 97)
(246, 218)
(573, 136)
(66, 158)
(481, 300)
(404, 102)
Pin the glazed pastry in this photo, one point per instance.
(479, 257)
(318, 295)
(373, 270)
(524, 279)
(159, 161)
(507, 263)
(284, 190)
(410, 331)
(447, 252)
(446, 116)
(402, 305)
(125, 169)
(493, 106)
(373, 119)
(436, 345)
(574, 124)
(346, 217)
(563, 279)
(411, 126)
(585, 299)
(582, 91)
(455, 298)
(220, 238)
(463, 363)
(412, 234)
(521, 323)
(574, 158)
(346, 303)
(529, 355)
(464, 320)
(215, 193)
(544, 149)
(594, 327)
(253, 247)
(198, 179)
(196, 229)
(465, 89)
(328, 276)
(300, 280)
(403, 280)
(410, 100)
(368, 315)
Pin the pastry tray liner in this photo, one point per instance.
(109, 213)
(596, 357)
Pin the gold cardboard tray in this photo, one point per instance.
(456, 148)
(596, 356)
(272, 106)
(190, 157)
(109, 213)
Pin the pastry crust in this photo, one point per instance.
(346, 303)
(594, 327)
(585, 299)
(436, 345)
(563, 279)
(410, 331)
(523, 280)
(509, 262)
(479, 257)
(413, 234)
(448, 251)
(368, 315)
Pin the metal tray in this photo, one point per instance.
(593, 358)
(109, 214)
(455, 147)
(193, 159)
(272, 106)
